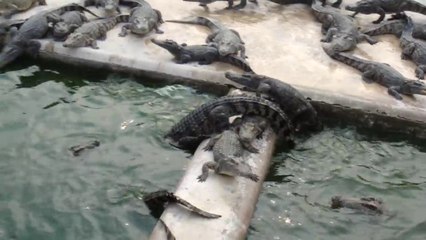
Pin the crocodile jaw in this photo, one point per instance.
(76, 40)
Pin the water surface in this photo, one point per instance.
(46, 193)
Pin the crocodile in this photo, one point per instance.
(78, 149)
(111, 7)
(413, 49)
(158, 200)
(204, 3)
(213, 117)
(36, 27)
(336, 4)
(89, 32)
(230, 144)
(340, 31)
(383, 74)
(300, 112)
(228, 41)
(69, 22)
(396, 27)
(143, 19)
(5, 26)
(369, 205)
(382, 7)
(14, 6)
(203, 54)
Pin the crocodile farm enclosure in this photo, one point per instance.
(212, 119)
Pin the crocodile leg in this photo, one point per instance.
(407, 51)
(212, 142)
(367, 38)
(159, 15)
(329, 36)
(33, 48)
(211, 36)
(249, 147)
(249, 175)
(124, 29)
(230, 4)
(94, 44)
(337, 4)
(205, 170)
(243, 51)
(394, 93)
(368, 76)
(420, 71)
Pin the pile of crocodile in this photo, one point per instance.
(274, 104)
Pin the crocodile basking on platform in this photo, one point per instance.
(143, 18)
(340, 30)
(111, 7)
(213, 117)
(413, 49)
(68, 23)
(89, 32)
(5, 27)
(203, 54)
(11, 7)
(382, 74)
(382, 7)
(228, 41)
(36, 27)
(204, 3)
(301, 113)
(396, 27)
(230, 145)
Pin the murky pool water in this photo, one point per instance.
(46, 193)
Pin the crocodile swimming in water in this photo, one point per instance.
(228, 41)
(230, 145)
(213, 117)
(69, 22)
(89, 32)
(301, 113)
(382, 7)
(413, 49)
(396, 27)
(369, 205)
(340, 30)
(111, 7)
(382, 74)
(204, 3)
(143, 19)
(14, 6)
(36, 27)
(203, 54)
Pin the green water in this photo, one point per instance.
(46, 193)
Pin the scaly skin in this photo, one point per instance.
(213, 117)
(36, 27)
(340, 30)
(301, 113)
(368, 205)
(70, 22)
(228, 41)
(204, 3)
(15, 6)
(203, 54)
(413, 49)
(111, 7)
(396, 27)
(382, 7)
(230, 145)
(5, 27)
(143, 19)
(88, 33)
(382, 74)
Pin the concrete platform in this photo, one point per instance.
(282, 42)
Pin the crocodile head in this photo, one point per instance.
(363, 6)
(76, 40)
(342, 43)
(141, 26)
(336, 202)
(10, 52)
(410, 87)
(227, 47)
(168, 44)
(60, 30)
(251, 127)
(111, 7)
(248, 80)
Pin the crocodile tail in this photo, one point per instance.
(200, 21)
(351, 60)
(238, 62)
(193, 208)
(392, 27)
(414, 6)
